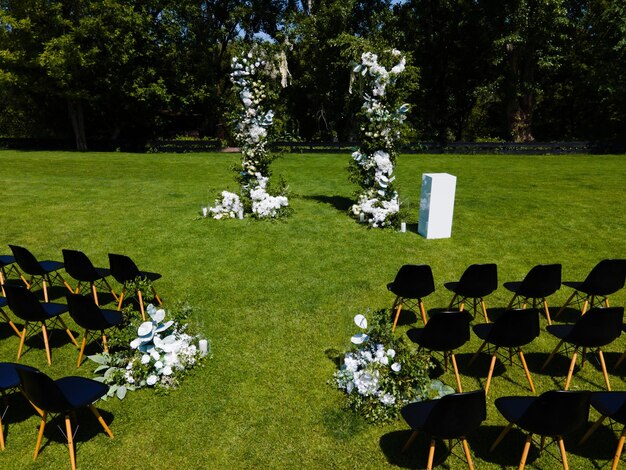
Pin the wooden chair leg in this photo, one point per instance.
(42, 426)
(423, 311)
(121, 298)
(1, 434)
(70, 441)
(551, 356)
(490, 374)
(592, 429)
(563, 454)
(618, 451)
(522, 462)
(67, 330)
(158, 299)
(571, 370)
(94, 410)
(482, 346)
(530, 380)
(504, 432)
(456, 372)
(547, 310)
(82, 348)
(431, 455)
(482, 303)
(606, 374)
(468, 456)
(410, 441)
(105, 346)
(22, 339)
(10, 322)
(45, 290)
(44, 332)
(94, 291)
(395, 320)
(585, 305)
(143, 313)
(567, 302)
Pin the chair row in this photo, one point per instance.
(414, 282)
(52, 397)
(553, 414)
(80, 268)
(515, 328)
(35, 314)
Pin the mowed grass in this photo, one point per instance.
(277, 299)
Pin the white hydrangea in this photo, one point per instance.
(229, 206)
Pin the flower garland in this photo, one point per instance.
(373, 164)
(251, 133)
(381, 374)
(158, 356)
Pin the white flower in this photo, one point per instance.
(145, 358)
(151, 380)
(360, 321)
(387, 399)
(167, 370)
(391, 353)
(158, 365)
(396, 367)
(366, 382)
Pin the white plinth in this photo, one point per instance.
(436, 205)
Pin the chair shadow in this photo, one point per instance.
(407, 317)
(569, 315)
(416, 456)
(88, 427)
(341, 203)
(57, 338)
(5, 329)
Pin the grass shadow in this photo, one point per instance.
(341, 203)
(416, 456)
(343, 424)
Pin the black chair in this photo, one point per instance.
(9, 380)
(445, 332)
(39, 271)
(449, 417)
(597, 328)
(606, 278)
(25, 305)
(80, 267)
(541, 281)
(412, 283)
(610, 405)
(7, 265)
(63, 397)
(125, 271)
(623, 356)
(92, 318)
(477, 282)
(512, 330)
(552, 414)
(3, 303)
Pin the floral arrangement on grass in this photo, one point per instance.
(373, 163)
(381, 374)
(158, 356)
(250, 75)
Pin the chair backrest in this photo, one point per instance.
(541, 281)
(414, 281)
(42, 391)
(606, 277)
(23, 303)
(457, 415)
(79, 266)
(478, 280)
(598, 327)
(84, 311)
(556, 413)
(515, 328)
(26, 261)
(446, 331)
(123, 269)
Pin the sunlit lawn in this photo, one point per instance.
(277, 299)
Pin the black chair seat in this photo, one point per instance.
(411, 284)
(3, 302)
(8, 376)
(611, 404)
(5, 260)
(512, 286)
(483, 330)
(560, 331)
(49, 266)
(150, 276)
(513, 408)
(573, 284)
(53, 309)
(416, 414)
(80, 392)
(477, 281)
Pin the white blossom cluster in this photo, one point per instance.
(227, 206)
(378, 204)
(251, 135)
(264, 204)
(166, 350)
(362, 371)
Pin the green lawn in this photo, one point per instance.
(277, 299)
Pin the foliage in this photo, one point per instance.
(381, 373)
(159, 355)
(373, 163)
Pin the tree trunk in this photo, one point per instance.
(520, 121)
(75, 109)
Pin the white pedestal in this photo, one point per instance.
(436, 205)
